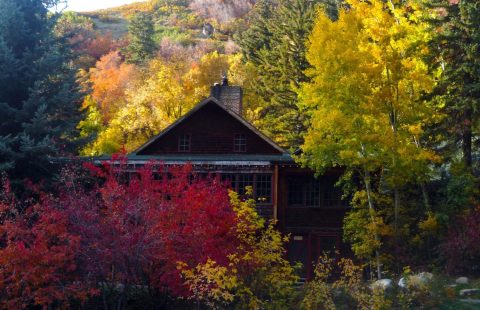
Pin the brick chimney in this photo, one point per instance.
(230, 96)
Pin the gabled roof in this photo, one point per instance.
(197, 108)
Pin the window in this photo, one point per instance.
(332, 194)
(240, 143)
(231, 180)
(184, 143)
(263, 188)
(244, 180)
(260, 183)
(295, 192)
(310, 192)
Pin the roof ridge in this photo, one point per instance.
(198, 107)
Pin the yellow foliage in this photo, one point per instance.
(210, 283)
(257, 277)
(135, 105)
(430, 225)
(348, 287)
(366, 94)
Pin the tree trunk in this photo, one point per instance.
(396, 211)
(372, 210)
(104, 299)
(426, 200)
(467, 138)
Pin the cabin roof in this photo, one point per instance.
(209, 159)
(198, 107)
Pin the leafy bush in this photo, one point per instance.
(257, 275)
(461, 247)
(348, 290)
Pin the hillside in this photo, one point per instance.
(180, 20)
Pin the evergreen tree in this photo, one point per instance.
(458, 91)
(275, 44)
(142, 46)
(39, 98)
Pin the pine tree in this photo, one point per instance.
(142, 46)
(458, 92)
(39, 98)
(275, 44)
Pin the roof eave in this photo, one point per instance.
(198, 107)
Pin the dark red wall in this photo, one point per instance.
(306, 217)
(212, 130)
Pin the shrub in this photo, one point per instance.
(257, 275)
(461, 246)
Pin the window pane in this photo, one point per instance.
(239, 143)
(184, 143)
(312, 193)
(331, 194)
(244, 180)
(295, 191)
(230, 179)
(264, 188)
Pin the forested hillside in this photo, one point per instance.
(386, 93)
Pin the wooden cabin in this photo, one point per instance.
(215, 139)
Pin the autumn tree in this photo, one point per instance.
(110, 80)
(77, 28)
(367, 108)
(87, 42)
(39, 97)
(164, 92)
(38, 254)
(99, 233)
(461, 246)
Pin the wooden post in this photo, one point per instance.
(275, 193)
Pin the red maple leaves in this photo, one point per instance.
(127, 231)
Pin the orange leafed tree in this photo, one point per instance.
(110, 79)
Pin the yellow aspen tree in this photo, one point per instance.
(365, 98)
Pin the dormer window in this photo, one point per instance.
(240, 143)
(184, 143)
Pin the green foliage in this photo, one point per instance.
(174, 33)
(142, 46)
(458, 192)
(39, 98)
(350, 291)
(457, 40)
(71, 24)
(275, 44)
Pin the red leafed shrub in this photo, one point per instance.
(148, 225)
(117, 232)
(37, 255)
(462, 244)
